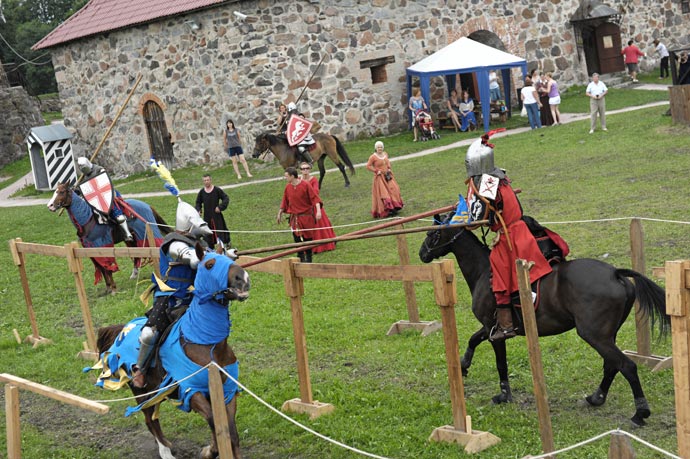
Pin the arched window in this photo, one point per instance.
(160, 139)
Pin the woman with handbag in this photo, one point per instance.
(385, 192)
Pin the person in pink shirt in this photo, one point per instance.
(632, 54)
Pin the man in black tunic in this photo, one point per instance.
(214, 201)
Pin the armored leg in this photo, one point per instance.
(147, 341)
(504, 327)
(304, 155)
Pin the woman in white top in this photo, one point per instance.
(494, 89)
(530, 99)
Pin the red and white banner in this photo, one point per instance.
(99, 193)
(298, 129)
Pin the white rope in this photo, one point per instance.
(302, 426)
(597, 437)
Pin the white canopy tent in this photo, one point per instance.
(466, 56)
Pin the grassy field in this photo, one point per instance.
(389, 392)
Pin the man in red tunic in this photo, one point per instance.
(303, 205)
(490, 197)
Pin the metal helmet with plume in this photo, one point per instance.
(480, 156)
(187, 219)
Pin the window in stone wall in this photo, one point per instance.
(685, 6)
(377, 68)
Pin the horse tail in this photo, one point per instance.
(107, 336)
(652, 299)
(343, 155)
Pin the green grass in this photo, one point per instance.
(389, 392)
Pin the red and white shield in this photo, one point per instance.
(98, 192)
(298, 129)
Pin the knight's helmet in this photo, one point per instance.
(291, 107)
(480, 158)
(188, 220)
(84, 164)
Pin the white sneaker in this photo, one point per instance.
(591, 131)
(604, 129)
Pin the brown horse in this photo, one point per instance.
(326, 145)
(91, 233)
(113, 359)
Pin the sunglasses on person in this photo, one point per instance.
(305, 168)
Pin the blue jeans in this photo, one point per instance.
(533, 115)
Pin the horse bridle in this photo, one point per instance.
(437, 236)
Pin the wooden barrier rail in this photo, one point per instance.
(12, 386)
(442, 276)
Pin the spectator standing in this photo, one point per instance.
(282, 118)
(632, 55)
(385, 192)
(663, 54)
(211, 201)
(530, 100)
(494, 88)
(416, 103)
(554, 98)
(233, 145)
(303, 205)
(596, 91)
(543, 98)
(324, 228)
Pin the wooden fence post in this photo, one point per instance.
(461, 431)
(18, 257)
(75, 266)
(294, 287)
(677, 275)
(152, 243)
(410, 298)
(532, 335)
(220, 416)
(644, 351)
(620, 447)
(14, 438)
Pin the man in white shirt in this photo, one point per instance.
(596, 91)
(663, 54)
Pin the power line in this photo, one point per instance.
(26, 61)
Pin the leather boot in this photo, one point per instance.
(304, 155)
(307, 256)
(504, 324)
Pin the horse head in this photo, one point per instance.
(61, 198)
(238, 284)
(261, 144)
(438, 242)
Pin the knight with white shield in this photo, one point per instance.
(299, 133)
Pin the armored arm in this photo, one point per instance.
(181, 252)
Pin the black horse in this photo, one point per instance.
(593, 297)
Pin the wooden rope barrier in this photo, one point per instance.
(12, 386)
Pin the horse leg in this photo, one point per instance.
(322, 170)
(502, 367)
(615, 361)
(231, 410)
(475, 340)
(135, 270)
(154, 427)
(201, 405)
(342, 171)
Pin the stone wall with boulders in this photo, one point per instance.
(19, 112)
(242, 70)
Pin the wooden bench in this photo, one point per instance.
(444, 122)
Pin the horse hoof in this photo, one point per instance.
(206, 453)
(597, 398)
(638, 421)
(347, 185)
(502, 398)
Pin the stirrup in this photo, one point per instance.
(498, 333)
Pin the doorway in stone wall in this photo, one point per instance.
(485, 37)
(160, 139)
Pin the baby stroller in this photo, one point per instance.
(426, 125)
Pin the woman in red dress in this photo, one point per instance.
(324, 229)
(385, 192)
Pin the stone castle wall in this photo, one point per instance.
(243, 70)
(19, 113)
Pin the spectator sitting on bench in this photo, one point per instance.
(454, 109)
(467, 118)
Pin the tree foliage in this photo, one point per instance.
(27, 21)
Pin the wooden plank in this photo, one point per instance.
(532, 335)
(676, 295)
(117, 252)
(410, 273)
(642, 330)
(14, 437)
(76, 269)
(18, 258)
(41, 249)
(294, 288)
(620, 447)
(55, 394)
(408, 286)
(271, 267)
(220, 415)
